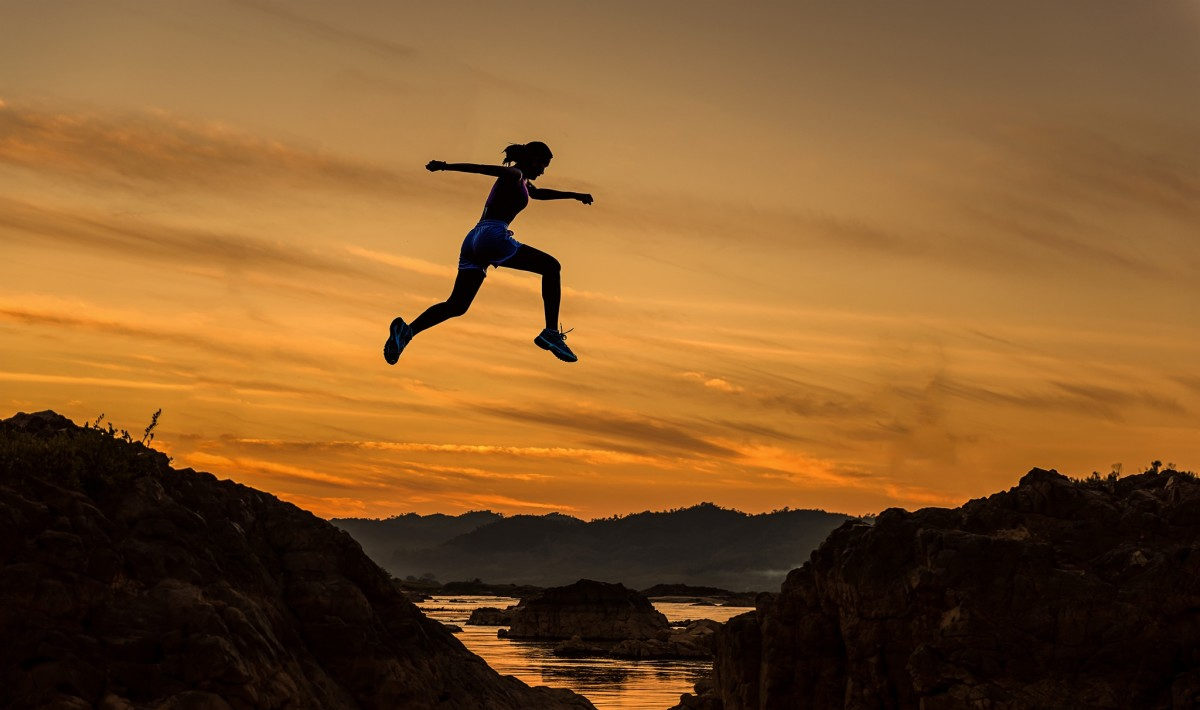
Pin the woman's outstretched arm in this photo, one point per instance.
(541, 193)
(493, 170)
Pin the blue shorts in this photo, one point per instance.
(490, 243)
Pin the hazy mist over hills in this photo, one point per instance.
(700, 545)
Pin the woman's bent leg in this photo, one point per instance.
(539, 262)
(466, 285)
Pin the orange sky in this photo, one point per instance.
(843, 255)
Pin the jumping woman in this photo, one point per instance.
(491, 243)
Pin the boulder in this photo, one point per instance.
(694, 641)
(593, 611)
(491, 616)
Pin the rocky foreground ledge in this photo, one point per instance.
(125, 583)
(1054, 594)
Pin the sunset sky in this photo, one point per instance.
(843, 255)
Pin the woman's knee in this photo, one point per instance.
(551, 266)
(453, 309)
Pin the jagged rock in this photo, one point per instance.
(1054, 594)
(700, 634)
(704, 699)
(491, 616)
(127, 584)
(695, 641)
(593, 611)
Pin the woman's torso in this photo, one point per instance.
(507, 198)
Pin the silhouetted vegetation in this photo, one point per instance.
(1109, 480)
(61, 452)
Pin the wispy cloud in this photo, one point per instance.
(164, 150)
(76, 381)
(1189, 381)
(477, 500)
(134, 237)
(1102, 164)
(1079, 398)
(327, 506)
(642, 431)
(1077, 189)
(715, 383)
(419, 266)
(337, 34)
(229, 465)
(1113, 397)
(387, 48)
(173, 336)
(591, 456)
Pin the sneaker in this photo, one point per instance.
(401, 333)
(554, 341)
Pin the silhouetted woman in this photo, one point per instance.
(490, 243)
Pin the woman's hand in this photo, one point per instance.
(435, 165)
(585, 199)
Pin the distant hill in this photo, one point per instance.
(701, 545)
(412, 532)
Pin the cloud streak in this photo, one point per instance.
(323, 30)
(160, 149)
(640, 430)
(176, 337)
(136, 238)
(591, 456)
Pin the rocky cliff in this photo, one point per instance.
(127, 584)
(1054, 594)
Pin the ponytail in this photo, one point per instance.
(521, 152)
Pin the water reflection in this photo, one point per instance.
(586, 676)
(611, 684)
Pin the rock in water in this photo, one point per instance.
(126, 583)
(593, 611)
(491, 616)
(1054, 594)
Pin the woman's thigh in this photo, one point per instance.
(528, 258)
(466, 285)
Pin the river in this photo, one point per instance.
(610, 683)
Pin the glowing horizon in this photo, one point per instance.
(843, 257)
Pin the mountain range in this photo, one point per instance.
(701, 545)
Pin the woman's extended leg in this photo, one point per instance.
(466, 285)
(539, 262)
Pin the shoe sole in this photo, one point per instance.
(391, 351)
(547, 345)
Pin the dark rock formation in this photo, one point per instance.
(593, 611)
(476, 587)
(699, 596)
(127, 584)
(491, 616)
(1054, 594)
(704, 698)
(693, 641)
(685, 590)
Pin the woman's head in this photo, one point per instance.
(530, 158)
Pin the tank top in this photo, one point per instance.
(507, 206)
